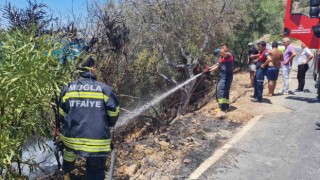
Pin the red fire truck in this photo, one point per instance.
(302, 21)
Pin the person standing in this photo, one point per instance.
(225, 65)
(286, 65)
(273, 64)
(261, 72)
(303, 66)
(253, 52)
(90, 109)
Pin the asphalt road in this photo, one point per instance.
(279, 145)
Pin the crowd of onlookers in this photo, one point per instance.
(263, 62)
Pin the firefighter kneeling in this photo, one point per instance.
(225, 76)
(90, 108)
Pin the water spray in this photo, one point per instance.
(128, 117)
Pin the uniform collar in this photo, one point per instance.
(88, 75)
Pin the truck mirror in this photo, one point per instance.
(314, 12)
(314, 3)
(314, 9)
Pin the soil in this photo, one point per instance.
(175, 151)
(178, 150)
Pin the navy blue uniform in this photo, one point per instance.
(90, 108)
(259, 77)
(225, 80)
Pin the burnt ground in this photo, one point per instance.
(177, 150)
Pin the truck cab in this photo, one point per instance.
(302, 21)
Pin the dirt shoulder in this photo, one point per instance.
(177, 151)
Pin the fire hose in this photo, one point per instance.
(113, 155)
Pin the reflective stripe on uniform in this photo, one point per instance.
(87, 145)
(86, 95)
(223, 101)
(69, 156)
(88, 148)
(85, 141)
(113, 113)
(61, 112)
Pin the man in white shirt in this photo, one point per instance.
(303, 66)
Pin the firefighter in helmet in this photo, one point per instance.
(225, 65)
(90, 108)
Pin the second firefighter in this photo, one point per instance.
(225, 65)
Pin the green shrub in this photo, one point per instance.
(30, 78)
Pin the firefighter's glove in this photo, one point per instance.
(207, 72)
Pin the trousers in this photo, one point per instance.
(258, 83)
(223, 90)
(302, 69)
(95, 166)
(285, 76)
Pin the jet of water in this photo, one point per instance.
(126, 118)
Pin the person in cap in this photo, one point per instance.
(225, 65)
(253, 52)
(261, 72)
(89, 108)
(286, 64)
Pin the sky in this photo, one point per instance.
(57, 7)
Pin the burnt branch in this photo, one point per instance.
(114, 31)
(34, 15)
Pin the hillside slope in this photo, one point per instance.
(176, 151)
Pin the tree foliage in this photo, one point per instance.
(171, 33)
(30, 78)
(143, 48)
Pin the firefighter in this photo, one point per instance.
(90, 109)
(225, 65)
(261, 72)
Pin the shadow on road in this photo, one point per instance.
(305, 99)
(266, 101)
(307, 91)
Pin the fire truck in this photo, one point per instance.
(302, 22)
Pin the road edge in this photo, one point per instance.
(224, 149)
